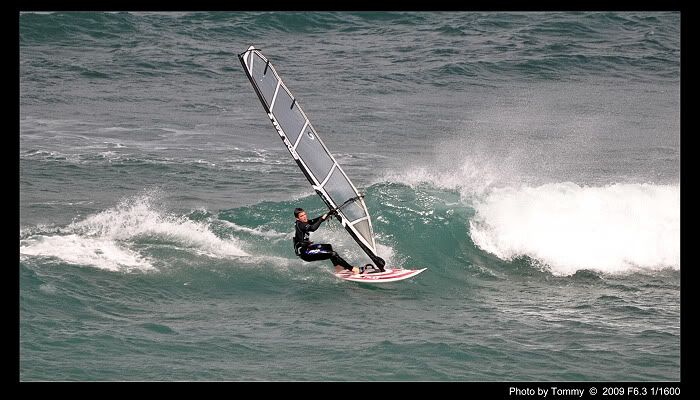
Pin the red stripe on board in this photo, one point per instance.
(377, 277)
(391, 276)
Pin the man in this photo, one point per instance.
(307, 250)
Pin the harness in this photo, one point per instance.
(299, 246)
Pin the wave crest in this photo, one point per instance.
(613, 228)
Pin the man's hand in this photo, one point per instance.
(328, 214)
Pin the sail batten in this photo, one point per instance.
(296, 142)
(312, 156)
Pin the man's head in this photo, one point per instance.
(300, 215)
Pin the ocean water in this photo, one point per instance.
(531, 161)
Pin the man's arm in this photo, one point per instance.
(313, 224)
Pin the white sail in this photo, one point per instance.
(308, 150)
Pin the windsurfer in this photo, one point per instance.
(310, 251)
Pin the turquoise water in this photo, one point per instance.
(531, 161)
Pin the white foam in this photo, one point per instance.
(139, 217)
(614, 228)
(268, 234)
(103, 240)
(74, 249)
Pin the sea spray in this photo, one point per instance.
(612, 228)
(105, 240)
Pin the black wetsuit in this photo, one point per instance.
(308, 251)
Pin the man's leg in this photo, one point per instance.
(318, 252)
(338, 260)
